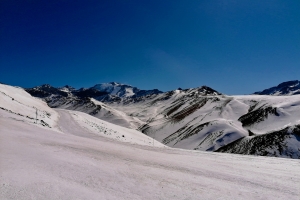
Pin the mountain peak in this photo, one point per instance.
(67, 88)
(114, 83)
(285, 88)
(205, 90)
(289, 83)
(45, 90)
(123, 90)
(45, 86)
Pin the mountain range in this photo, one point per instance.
(265, 123)
(54, 153)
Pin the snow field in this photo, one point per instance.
(41, 163)
(90, 124)
(17, 103)
(82, 157)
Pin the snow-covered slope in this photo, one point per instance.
(84, 125)
(38, 163)
(197, 118)
(77, 156)
(190, 119)
(17, 104)
(94, 108)
(84, 100)
(285, 88)
(183, 119)
(282, 143)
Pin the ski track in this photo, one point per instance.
(38, 163)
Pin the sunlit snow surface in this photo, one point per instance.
(40, 163)
(117, 89)
(196, 118)
(80, 157)
(186, 119)
(16, 104)
(19, 105)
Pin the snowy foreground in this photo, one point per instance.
(37, 163)
(71, 155)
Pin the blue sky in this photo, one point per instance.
(233, 46)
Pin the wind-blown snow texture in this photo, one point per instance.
(198, 118)
(82, 157)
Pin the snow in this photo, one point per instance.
(67, 89)
(99, 110)
(82, 157)
(84, 125)
(129, 92)
(220, 111)
(22, 108)
(17, 103)
(288, 108)
(120, 90)
(115, 89)
(222, 118)
(45, 164)
(108, 87)
(285, 88)
(114, 116)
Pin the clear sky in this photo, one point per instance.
(233, 46)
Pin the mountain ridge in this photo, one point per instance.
(284, 88)
(196, 118)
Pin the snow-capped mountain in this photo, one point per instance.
(85, 100)
(197, 118)
(104, 91)
(47, 90)
(183, 119)
(285, 88)
(66, 154)
(190, 119)
(122, 90)
(67, 89)
(17, 105)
